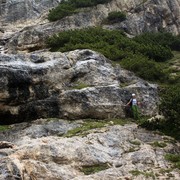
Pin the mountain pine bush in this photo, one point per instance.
(69, 7)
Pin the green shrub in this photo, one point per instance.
(157, 52)
(155, 46)
(164, 39)
(116, 16)
(175, 45)
(81, 3)
(144, 68)
(87, 3)
(96, 38)
(170, 105)
(67, 8)
(61, 11)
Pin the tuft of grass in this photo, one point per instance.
(4, 128)
(146, 174)
(159, 144)
(132, 149)
(135, 142)
(85, 127)
(174, 158)
(164, 171)
(135, 172)
(89, 124)
(87, 170)
(80, 85)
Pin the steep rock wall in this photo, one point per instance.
(77, 84)
(16, 10)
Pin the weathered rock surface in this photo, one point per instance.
(40, 154)
(142, 16)
(76, 84)
(73, 85)
(19, 10)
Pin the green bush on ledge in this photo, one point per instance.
(69, 7)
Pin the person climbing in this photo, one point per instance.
(134, 106)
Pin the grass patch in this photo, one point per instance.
(146, 174)
(85, 127)
(89, 124)
(164, 171)
(159, 144)
(80, 85)
(137, 143)
(174, 158)
(4, 128)
(132, 149)
(135, 172)
(87, 170)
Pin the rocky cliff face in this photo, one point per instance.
(18, 14)
(77, 84)
(74, 85)
(142, 16)
(12, 11)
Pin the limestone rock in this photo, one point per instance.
(76, 84)
(19, 10)
(124, 149)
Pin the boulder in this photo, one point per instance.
(76, 84)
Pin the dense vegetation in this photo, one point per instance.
(148, 56)
(69, 7)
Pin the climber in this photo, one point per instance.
(133, 104)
